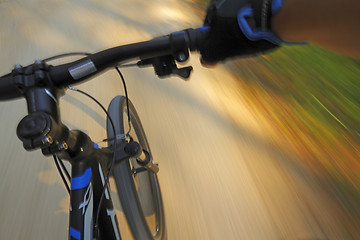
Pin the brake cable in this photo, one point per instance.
(57, 159)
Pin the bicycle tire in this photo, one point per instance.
(125, 179)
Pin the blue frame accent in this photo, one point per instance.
(74, 233)
(204, 28)
(82, 181)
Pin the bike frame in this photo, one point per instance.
(89, 165)
(43, 84)
(87, 183)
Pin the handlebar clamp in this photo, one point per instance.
(31, 76)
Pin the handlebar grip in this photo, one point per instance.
(8, 88)
(196, 37)
(63, 75)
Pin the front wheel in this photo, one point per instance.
(139, 191)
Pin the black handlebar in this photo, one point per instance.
(8, 89)
(39, 74)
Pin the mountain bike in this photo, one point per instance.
(127, 157)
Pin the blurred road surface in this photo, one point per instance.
(221, 176)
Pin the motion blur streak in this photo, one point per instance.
(222, 171)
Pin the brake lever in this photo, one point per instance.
(165, 66)
(184, 72)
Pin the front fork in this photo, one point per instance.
(89, 165)
(81, 202)
(89, 172)
(89, 169)
(43, 129)
(87, 184)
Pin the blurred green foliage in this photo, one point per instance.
(327, 85)
(311, 98)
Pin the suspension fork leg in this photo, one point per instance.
(87, 184)
(81, 202)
